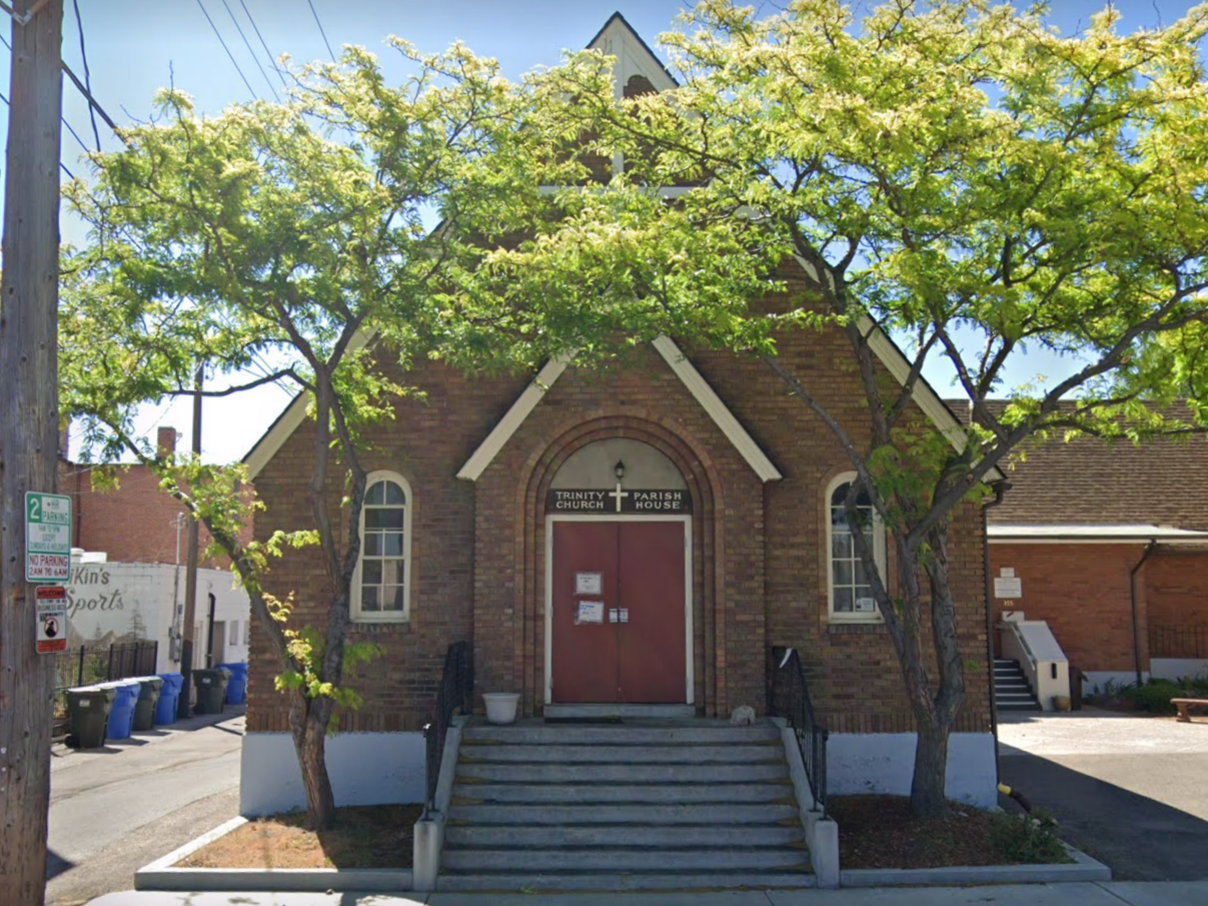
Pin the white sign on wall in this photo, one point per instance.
(1007, 584)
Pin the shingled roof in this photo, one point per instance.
(1088, 481)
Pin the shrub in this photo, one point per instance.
(1027, 838)
(1154, 696)
(1196, 686)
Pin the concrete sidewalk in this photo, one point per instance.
(1124, 893)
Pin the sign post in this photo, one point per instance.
(47, 537)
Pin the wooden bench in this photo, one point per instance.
(1184, 703)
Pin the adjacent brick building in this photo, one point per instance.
(644, 535)
(1110, 544)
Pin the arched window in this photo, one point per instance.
(381, 586)
(848, 589)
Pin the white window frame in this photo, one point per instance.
(878, 548)
(385, 616)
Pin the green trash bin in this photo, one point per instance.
(88, 710)
(148, 698)
(211, 690)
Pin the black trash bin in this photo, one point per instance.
(88, 711)
(211, 690)
(148, 698)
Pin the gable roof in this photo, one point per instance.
(633, 55)
(684, 370)
(1091, 482)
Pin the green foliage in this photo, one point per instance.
(306, 650)
(1027, 838)
(1154, 696)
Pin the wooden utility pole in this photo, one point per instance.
(186, 623)
(29, 435)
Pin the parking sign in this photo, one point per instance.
(47, 537)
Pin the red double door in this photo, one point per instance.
(618, 616)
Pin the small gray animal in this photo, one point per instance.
(743, 716)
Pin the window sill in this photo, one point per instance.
(840, 626)
(379, 624)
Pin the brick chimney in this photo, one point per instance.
(165, 442)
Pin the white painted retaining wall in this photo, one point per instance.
(365, 769)
(884, 763)
(1178, 667)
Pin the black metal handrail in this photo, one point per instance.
(789, 698)
(456, 694)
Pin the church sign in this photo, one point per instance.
(631, 502)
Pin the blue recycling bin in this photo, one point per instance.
(237, 686)
(169, 696)
(121, 714)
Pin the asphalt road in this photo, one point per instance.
(114, 809)
(1130, 791)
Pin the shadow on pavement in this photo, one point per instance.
(1139, 838)
(56, 864)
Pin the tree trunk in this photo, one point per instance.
(927, 797)
(29, 433)
(310, 737)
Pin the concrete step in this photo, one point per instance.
(584, 793)
(572, 734)
(469, 772)
(620, 859)
(624, 754)
(545, 814)
(611, 881)
(673, 836)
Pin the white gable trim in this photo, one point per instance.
(898, 365)
(633, 56)
(515, 417)
(718, 411)
(684, 370)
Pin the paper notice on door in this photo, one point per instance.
(589, 612)
(589, 583)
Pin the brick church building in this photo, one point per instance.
(641, 536)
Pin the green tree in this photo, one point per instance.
(282, 238)
(954, 172)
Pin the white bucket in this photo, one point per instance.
(501, 706)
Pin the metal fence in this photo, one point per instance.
(789, 697)
(1178, 641)
(84, 666)
(456, 694)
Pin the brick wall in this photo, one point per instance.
(134, 522)
(1176, 595)
(478, 550)
(1082, 592)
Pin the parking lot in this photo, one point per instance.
(1131, 791)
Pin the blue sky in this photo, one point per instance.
(137, 46)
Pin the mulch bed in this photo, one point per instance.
(373, 836)
(880, 832)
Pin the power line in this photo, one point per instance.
(234, 62)
(330, 52)
(248, 45)
(271, 60)
(87, 75)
